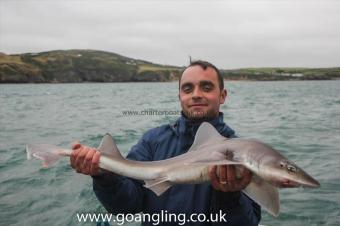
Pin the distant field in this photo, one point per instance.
(147, 67)
(7, 59)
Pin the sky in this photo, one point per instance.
(230, 34)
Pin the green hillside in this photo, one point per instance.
(81, 66)
(98, 66)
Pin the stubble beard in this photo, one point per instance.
(200, 115)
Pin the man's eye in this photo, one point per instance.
(186, 89)
(207, 87)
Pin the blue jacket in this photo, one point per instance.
(123, 195)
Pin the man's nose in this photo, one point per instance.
(197, 93)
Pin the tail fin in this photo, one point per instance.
(49, 154)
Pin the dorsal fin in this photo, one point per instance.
(108, 147)
(206, 132)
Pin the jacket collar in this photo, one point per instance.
(186, 126)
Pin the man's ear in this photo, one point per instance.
(223, 96)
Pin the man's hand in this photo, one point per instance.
(224, 178)
(85, 160)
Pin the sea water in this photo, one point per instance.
(301, 119)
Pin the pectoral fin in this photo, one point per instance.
(158, 186)
(266, 195)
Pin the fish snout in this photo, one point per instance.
(300, 180)
(307, 181)
(311, 183)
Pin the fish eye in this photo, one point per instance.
(282, 164)
(291, 168)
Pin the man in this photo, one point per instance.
(201, 92)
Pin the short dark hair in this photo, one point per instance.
(204, 65)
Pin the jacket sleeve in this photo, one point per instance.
(119, 194)
(239, 208)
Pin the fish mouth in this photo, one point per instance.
(306, 183)
(287, 183)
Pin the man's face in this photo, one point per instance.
(199, 93)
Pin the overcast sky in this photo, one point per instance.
(230, 34)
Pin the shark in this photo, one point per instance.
(270, 169)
